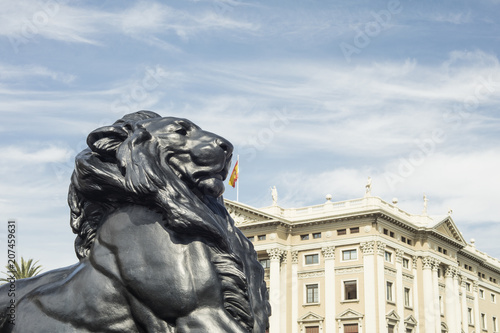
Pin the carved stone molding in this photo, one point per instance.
(475, 285)
(295, 257)
(427, 262)
(436, 264)
(328, 252)
(450, 272)
(349, 270)
(311, 274)
(414, 261)
(367, 247)
(408, 277)
(399, 255)
(275, 254)
(381, 248)
(390, 271)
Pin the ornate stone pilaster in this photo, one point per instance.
(381, 248)
(463, 285)
(427, 262)
(437, 306)
(295, 290)
(275, 254)
(330, 299)
(477, 323)
(399, 255)
(399, 288)
(295, 257)
(367, 247)
(328, 252)
(381, 306)
(414, 262)
(451, 298)
(369, 271)
(429, 314)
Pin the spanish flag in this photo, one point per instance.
(234, 175)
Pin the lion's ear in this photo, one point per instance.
(107, 139)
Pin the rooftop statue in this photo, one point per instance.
(158, 250)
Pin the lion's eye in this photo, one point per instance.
(181, 131)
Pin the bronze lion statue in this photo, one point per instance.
(158, 251)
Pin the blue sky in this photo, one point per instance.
(316, 96)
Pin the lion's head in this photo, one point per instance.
(167, 163)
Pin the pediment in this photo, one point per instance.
(349, 314)
(393, 316)
(310, 316)
(448, 228)
(243, 214)
(411, 320)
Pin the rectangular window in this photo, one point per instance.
(386, 232)
(406, 263)
(350, 290)
(467, 286)
(469, 316)
(312, 329)
(317, 235)
(350, 255)
(312, 259)
(341, 232)
(441, 305)
(391, 234)
(351, 328)
(408, 241)
(390, 328)
(251, 238)
(388, 256)
(388, 293)
(481, 293)
(354, 230)
(495, 324)
(407, 297)
(312, 293)
(493, 298)
(266, 263)
(304, 237)
(483, 321)
(403, 239)
(262, 237)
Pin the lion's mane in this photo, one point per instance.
(123, 168)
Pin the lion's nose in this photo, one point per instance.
(225, 145)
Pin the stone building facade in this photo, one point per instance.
(365, 265)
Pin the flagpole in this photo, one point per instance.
(237, 182)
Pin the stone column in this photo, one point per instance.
(330, 284)
(275, 289)
(283, 292)
(450, 300)
(399, 289)
(429, 313)
(369, 286)
(477, 316)
(381, 286)
(295, 291)
(456, 287)
(465, 319)
(437, 305)
(415, 292)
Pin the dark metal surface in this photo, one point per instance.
(158, 251)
